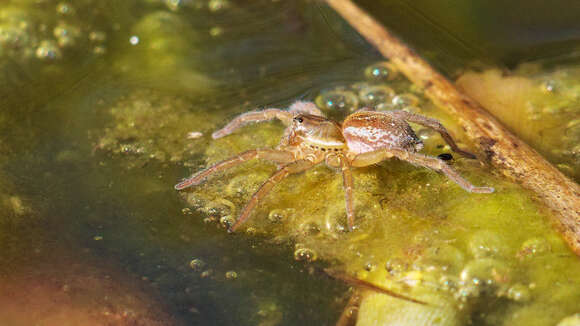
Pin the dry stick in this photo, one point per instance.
(505, 151)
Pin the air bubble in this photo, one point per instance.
(369, 267)
(277, 215)
(218, 5)
(216, 31)
(65, 9)
(534, 247)
(309, 229)
(197, 264)
(231, 275)
(97, 36)
(519, 292)
(486, 243)
(425, 133)
(48, 50)
(485, 271)
(134, 40)
(395, 266)
(66, 34)
(375, 95)
(448, 283)
(549, 86)
(99, 50)
(227, 221)
(381, 71)
(337, 101)
(305, 254)
(174, 5)
(404, 100)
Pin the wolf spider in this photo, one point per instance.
(364, 138)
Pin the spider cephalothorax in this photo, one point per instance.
(364, 138)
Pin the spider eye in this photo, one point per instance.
(299, 119)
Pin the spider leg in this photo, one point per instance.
(253, 116)
(267, 154)
(305, 107)
(435, 125)
(275, 178)
(347, 184)
(434, 163)
(267, 115)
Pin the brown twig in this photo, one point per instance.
(505, 151)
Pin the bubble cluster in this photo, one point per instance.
(33, 35)
(383, 91)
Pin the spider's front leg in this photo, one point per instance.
(434, 163)
(253, 116)
(267, 115)
(280, 157)
(435, 125)
(275, 178)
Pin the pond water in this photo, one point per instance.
(105, 105)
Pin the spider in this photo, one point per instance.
(364, 138)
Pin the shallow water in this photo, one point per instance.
(97, 101)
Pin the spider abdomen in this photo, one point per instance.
(368, 131)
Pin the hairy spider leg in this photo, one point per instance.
(305, 107)
(275, 178)
(435, 125)
(254, 116)
(434, 163)
(273, 155)
(267, 115)
(347, 184)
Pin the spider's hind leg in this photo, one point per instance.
(434, 163)
(435, 125)
(440, 165)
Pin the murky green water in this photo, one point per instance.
(100, 106)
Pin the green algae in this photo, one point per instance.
(460, 252)
(464, 250)
(150, 125)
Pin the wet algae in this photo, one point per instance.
(485, 259)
